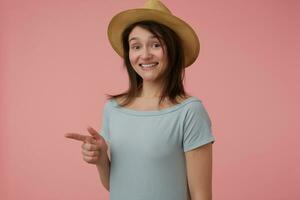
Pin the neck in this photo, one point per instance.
(151, 90)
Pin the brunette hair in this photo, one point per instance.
(174, 74)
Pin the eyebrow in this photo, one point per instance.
(135, 38)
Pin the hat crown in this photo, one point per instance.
(154, 10)
(157, 5)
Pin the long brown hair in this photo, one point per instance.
(174, 74)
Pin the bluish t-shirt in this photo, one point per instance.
(147, 148)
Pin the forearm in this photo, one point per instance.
(104, 170)
(202, 196)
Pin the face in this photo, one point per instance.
(146, 54)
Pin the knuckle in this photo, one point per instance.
(93, 148)
(84, 152)
(87, 159)
(86, 146)
(92, 153)
(90, 156)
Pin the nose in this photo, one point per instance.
(146, 53)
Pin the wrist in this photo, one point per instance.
(103, 161)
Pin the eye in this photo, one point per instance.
(155, 45)
(135, 47)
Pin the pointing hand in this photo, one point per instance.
(94, 147)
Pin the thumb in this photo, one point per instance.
(94, 133)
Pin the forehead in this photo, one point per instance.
(139, 33)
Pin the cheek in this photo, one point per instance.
(164, 57)
(132, 57)
(161, 55)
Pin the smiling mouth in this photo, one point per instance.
(148, 65)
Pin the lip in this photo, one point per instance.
(149, 68)
(148, 63)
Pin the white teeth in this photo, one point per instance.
(149, 65)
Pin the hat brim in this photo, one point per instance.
(119, 22)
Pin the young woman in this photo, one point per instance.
(156, 140)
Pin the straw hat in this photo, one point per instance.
(156, 11)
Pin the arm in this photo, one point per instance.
(103, 168)
(199, 172)
(92, 149)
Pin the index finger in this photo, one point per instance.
(76, 136)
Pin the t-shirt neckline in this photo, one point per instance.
(152, 112)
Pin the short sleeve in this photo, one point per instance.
(197, 127)
(104, 130)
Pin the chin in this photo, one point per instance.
(148, 79)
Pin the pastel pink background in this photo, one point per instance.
(57, 64)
